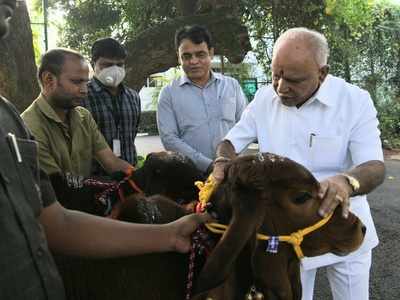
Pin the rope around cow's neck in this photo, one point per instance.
(295, 238)
(111, 187)
(128, 174)
(199, 246)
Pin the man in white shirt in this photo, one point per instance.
(330, 127)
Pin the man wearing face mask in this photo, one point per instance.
(114, 106)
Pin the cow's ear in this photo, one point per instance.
(246, 213)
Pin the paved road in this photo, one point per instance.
(385, 206)
(148, 143)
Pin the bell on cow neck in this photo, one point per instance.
(249, 296)
(259, 296)
(253, 294)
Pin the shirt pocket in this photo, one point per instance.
(229, 109)
(29, 172)
(327, 152)
(29, 151)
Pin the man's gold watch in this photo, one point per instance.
(354, 183)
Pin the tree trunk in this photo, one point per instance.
(17, 61)
(153, 50)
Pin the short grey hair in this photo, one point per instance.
(317, 41)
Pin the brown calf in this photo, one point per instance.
(275, 196)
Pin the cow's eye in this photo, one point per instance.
(302, 198)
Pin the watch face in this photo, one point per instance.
(355, 184)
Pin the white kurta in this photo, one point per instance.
(334, 130)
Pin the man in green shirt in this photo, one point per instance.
(67, 134)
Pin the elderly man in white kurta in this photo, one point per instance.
(330, 127)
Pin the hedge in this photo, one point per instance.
(148, 123)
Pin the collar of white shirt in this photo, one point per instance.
(324, 93)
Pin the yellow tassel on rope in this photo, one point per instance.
(206, 189)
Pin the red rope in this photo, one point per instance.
(128, 175)
(192, 257)
(199, 246)
(110, 187)
(199, 208)
(135, 186)
(98, 183)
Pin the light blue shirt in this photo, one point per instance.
(192, 120)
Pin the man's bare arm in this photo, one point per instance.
(110, 162)
(370, 175)
(226, 149)
(76, 233)
(225, 153)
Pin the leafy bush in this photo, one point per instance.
(140, 161)
(389, 118)
(148, 123)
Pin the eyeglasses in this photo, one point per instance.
(199, 55)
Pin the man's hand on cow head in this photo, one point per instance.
(219, 168)
(181, 230)
(210, 169)
(333, 191)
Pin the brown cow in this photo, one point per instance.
(266, 194)
(273, 195)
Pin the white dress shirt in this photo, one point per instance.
(333, 131)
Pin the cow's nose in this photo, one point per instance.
(363, 229)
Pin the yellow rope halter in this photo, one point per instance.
(296, 238)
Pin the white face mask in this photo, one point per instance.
(111, 76)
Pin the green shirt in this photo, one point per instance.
(64, 148)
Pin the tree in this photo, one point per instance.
(364, 36)
(17, 61)
(147, 28)
(267, 19)
(365, 43)
(153, 50)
